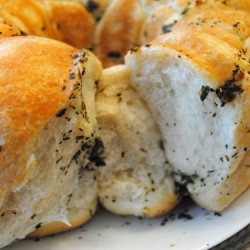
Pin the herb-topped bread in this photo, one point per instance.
(175, 114)
(197, 88)
(135, 180)
(65, 21)
(47, 135)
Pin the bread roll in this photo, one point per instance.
(75, 24)
(118, 31)
(185, 94)
(197, 88)
(135, 180)
(65, 21)
(124, 24)
(48, 137)
(215, 14)
(33, 19)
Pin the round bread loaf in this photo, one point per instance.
(175, 114)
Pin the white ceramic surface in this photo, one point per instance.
(110, 232)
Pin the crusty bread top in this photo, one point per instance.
(118, 31)
(29, 98)
(75, 24)
(35, 19)
(61, 20)
(193, 44)
(216, 15)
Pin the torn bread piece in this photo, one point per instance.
(197, 88)
(135, 180)
(47, 137)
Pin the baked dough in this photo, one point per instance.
(65, 21)
(185, 94)
(48, 135)
(135, 180)
(197, 88)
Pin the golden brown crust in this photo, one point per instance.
(214, 15)
(118, 31)
(237, 4)
(219, 16)
(64, 21)
(74, 22)
(20, 125)
(34, 16)
(224, 35)
(7, 31)
(10, 22)
(194, 45)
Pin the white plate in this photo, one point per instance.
(110, 232)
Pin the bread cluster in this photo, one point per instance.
(173, 116)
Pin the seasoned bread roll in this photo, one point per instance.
(127, 23)
(216, 15)
(48, 143)
(135, 180)
(228, 15)
(118, 31)
(176, 112)
(197, 88)
(65, 21)
(75, 24)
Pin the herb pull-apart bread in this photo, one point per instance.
(135, 180)
(197, 88)
(48, 143)
(65, 21)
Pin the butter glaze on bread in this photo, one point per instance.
(47, 135)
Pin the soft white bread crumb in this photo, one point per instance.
(197, 91)
(135, 179)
